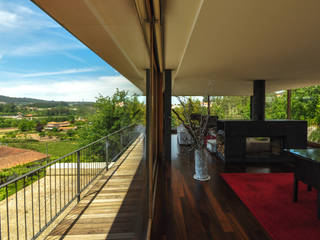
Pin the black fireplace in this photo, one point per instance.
(263, 146)
(259, 141)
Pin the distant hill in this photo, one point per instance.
(27, 101)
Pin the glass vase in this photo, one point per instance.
(201, 165)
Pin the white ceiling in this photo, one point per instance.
(213, 47)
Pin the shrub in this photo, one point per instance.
(42, 134)
(315, 136)
(70, 133)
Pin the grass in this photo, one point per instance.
(55, 149)
(18, 185)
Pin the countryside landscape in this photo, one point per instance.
(46, 137)
(50, 129)
(159, 120)
(25, 124)
(34, 131)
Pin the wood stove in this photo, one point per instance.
(263, 146)
(259, 141)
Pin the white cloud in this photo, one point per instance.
(73, 57)
(1, 56)
(18, 76)
(76, 90)
(15, 16)
(39, 33)
(25, 10)
(42, 47)
(64, 72)
(8, 19)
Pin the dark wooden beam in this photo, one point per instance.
(167, 115)
(160, 115)
(148, 132)
(152, 125)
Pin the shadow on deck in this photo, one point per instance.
(114, 208)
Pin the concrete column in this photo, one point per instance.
(167, 115)
(259, 100)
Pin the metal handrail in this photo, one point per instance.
(76, 170)
(105, 137)
(64, 156)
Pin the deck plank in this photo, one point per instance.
(113, 207)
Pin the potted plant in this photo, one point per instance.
(196, 125)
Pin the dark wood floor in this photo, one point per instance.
(204, 210)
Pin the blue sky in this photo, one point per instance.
(39, 59)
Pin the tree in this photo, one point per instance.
(42, 134)
(70, 133)
(276, 106)
(193, 105)
(112, 114)
(9, 108)
(225, 107)
(306, 103)
(24, 126)
(39, 127)
(71, 119)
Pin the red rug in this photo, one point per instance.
(269, 198)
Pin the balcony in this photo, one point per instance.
(97, 191)
(112, 203)
(192, 49)
(113, 207)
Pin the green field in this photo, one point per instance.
(55, 149)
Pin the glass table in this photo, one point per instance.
(307, 170)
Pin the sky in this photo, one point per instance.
(40, 59)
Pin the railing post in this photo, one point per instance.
(107, 156)
(78, 176)
(121, 140)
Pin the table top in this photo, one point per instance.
(310, 153)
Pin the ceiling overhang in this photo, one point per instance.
(110, 28)
(213, 47)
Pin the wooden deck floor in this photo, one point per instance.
(114, 207)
